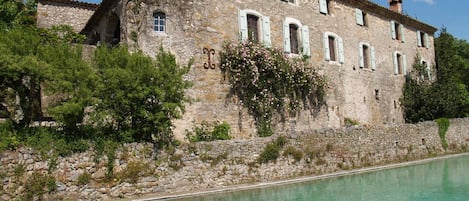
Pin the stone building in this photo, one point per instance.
(73, 13)
(362, 48)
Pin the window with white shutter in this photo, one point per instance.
(254, 27)
(333, 47)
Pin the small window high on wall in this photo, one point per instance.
(159, 24)
(422, 39)
(397, 31)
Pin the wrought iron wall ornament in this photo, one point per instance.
(210, 53)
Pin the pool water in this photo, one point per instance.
(441, 180)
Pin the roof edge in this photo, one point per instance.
(392, 15)
(80, 4)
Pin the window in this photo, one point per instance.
(397, 31)
(333, 47)
(422, 39)
(289, 1)
(253, 30)
(366, 56)
(400, 63)
(159, 24)
(361, 17)
(324, 6)
(296, 37)
(254, 27)
(427, 71)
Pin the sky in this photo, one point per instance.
(452, 14)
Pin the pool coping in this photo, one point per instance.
(298, 180)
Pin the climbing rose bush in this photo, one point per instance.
(267, 82)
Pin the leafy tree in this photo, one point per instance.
(448, 95)
(17, 12)
(138, 97)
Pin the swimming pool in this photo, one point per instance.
(440, 180)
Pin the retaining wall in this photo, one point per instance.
(211, 165)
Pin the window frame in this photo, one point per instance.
(325, 7)
(336, 53)
(361, 17)
(400, 63)
(397, 31)
(159, 22)
(263, 27)
(302, 37)
(370, 54)
(422, 39)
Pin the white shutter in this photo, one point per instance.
(419, 39)
(286, 37)
(327, 55)
(243, 25)
(404, 65)
(361, 61)
(395, 62)
(401, 28)
(393, 30)
(373, 59)
(323, 6)
(359, 16)
(427, 43)
(305, 40)
(341, 50)
(266, 36)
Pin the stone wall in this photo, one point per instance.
(370, 97)
(212, 165)
(58, 12)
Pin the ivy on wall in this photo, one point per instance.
(268, 82)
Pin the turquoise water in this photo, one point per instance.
(442, 180)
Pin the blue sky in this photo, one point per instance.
(452, 14)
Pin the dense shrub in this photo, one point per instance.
(267, 81)
(209, 132)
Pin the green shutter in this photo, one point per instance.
(404, 65)
(266, 35)
(419, 39)
(286, 37)
(305, 40)
(243, 25)
(359, 16)
(323, 6)
(393, 30)
(373, 59)
(341, 50)
(327, 55)
(361, 62)
(401, 27)
(427, 41)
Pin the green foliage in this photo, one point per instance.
(133, 171)
(209, 132)
(448, 95)
(266, 81)
(138, 97)
(37, 185)
(350, 122)
(443, 125)
(295, 153)
(9, 139)
(272, 150)
(84, 178)
(14, 13)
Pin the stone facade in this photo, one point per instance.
(369, 95)
(216, 165)
(56, 12)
